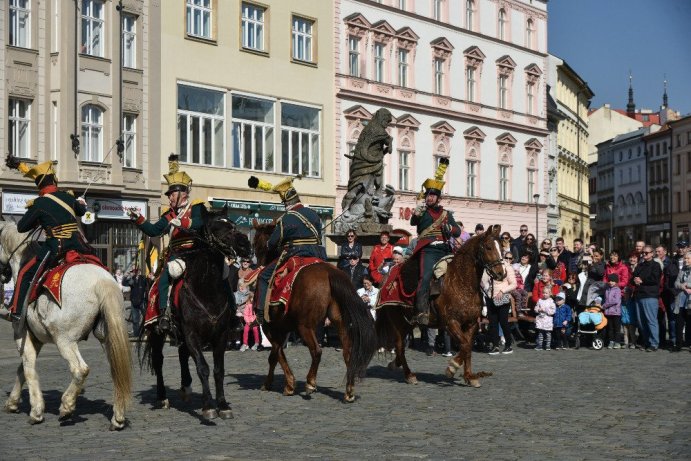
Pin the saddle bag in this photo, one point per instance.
(176, 268)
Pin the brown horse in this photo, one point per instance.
(319, 291)
(458, 307)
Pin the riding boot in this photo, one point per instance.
(164, 318)
(422, 308)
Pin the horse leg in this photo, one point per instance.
(454, 329)
(289, 388)
(400, 359)
(347, 345)
(195, 349)
(157, 342)
(31, 350)
(224, 410)
(80, 370)
(185, 376)
(309, 337)
(276, 342)
(12, 403)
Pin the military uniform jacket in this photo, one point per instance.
(298, 233)
(434, 234)
(59, 224)
(181, 237)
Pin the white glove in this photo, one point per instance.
(175, 222)
(419, 211)
(133, 214)
(81, 201)
(484, 311)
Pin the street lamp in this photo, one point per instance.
(536, 197)
(610, 205)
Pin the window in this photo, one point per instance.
(677, 168)
(470, 83)
(354, 56)
(688, 162)
(20, 23)
(678, 140)
(379, 62)
(529, 33)
(199, 18)
(664, 148)
(403, 170)
(129, 137)
(302, 39)
(253, 133)
(501, 24)
(129, 42)
(438, 76)
(469, 14)
(531, 182)
(471, 178)
(503, 92)
(436, 9)
(92, 27)
(503, 182)
(201, 122)
(403, 67)
(19, 127)
(253, 27)
(92, 133)
(531, 98)
(300, 140)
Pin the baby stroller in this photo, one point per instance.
(592, 322)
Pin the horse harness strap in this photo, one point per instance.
(212, 318)
(436, 225)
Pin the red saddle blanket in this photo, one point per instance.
(392, 291)
(152, 312)
(285, 277)
(52, 279)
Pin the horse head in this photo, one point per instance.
(222, 234)
(262, 233)
(489, 253)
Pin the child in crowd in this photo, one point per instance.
(520, 294)
(544, 320)
(562, 319)
(612, 308)
(250, 319)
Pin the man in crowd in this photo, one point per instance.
(670, 270)
(518, 244)
(138, 296)
(576, 255)
(356, 271)
(646, 282)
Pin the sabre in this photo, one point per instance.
(21, 328)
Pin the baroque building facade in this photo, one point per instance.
(463, 81)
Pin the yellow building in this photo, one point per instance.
(573, 99)
(247, 88)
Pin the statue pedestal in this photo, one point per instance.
(367, 240)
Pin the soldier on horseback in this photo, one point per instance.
(435, 226)
(298, 233)
(180, 220)
(56, 212)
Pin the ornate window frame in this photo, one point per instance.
(474, 137)
(407, 127)
(406, 39)
(474, 59)
(533, 75)
(442, 49)
(382, 33)
(505, 68)
(357, 27)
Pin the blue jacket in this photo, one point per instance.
(298, 233)
(562, 314)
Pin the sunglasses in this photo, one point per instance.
(648, 252)
(351, 236)
(524, 230)
(553, 250)
(529, 240)
(506, 237)
(509, 258)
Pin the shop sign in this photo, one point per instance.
(89, 217)
(116, 208)
(15, 202)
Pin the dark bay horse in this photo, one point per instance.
(205, 311)
(458, 307)
(319, 291)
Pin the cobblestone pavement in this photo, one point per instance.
(621, 404)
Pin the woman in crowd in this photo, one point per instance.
(546, 245)
(545, 282)
(369, 293)
(505, 242)
(531, 245)
(682, 303)
(629, 320)
(615, 266)
(558, 268)
(350, 248)
(499, 307)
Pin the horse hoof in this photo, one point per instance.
(450, 372)
(35, 420)
(185, 393)
(288, 393)
(64, 417)
(310, 389)
(348, 398)
(210, 414)
(164, 404)
(10, 408)
(265, 388)
(116, 426)
(392, 365)
(411, 380)
(475, 383)
(226, 414)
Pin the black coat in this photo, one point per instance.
(138, 288)
(356, 274)
(650, 273)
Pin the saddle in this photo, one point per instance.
(285, 276)
(152, 312)
(51, 280)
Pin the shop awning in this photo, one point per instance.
(243, 212)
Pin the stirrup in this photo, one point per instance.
(422, 318)
(164, 324)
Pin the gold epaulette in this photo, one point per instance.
(164, 210)
(71, 192)
(198, 201)
(29, 203)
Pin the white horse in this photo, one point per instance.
(88, 292)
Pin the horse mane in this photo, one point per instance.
(261, 236)
(11, 238)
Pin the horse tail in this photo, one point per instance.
(357, 321)
(116, 341)
(384, 328)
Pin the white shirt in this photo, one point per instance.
(372, 293)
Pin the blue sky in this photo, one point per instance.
(603, 39)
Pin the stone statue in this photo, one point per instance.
(367, 204)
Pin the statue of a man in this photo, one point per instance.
(367, 166)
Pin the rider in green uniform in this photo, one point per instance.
(56, 212)
(434, 228)
(180, 220)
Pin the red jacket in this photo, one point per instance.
(379, 254)
(621, 270)
(539, 286)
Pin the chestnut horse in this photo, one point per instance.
(458, 307)
(319, 291)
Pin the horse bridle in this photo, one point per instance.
(488, 265)
(216, 243)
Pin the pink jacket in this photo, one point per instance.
(248, 313)
(506, 286)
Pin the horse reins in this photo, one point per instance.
(212, 318)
